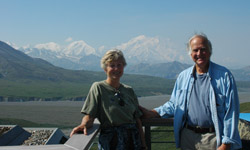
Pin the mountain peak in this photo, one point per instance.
(79, 49)
(142, 40)
(145, 49)
(49, 46)
(139, 38)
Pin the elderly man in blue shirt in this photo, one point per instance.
(204, 103)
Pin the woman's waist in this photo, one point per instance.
(120, 126)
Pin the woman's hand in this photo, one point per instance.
(87, 122)
(78, 129)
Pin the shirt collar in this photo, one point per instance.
(208, 72)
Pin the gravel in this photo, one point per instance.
(38, 137)
(4, 130)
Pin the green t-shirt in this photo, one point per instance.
(102, 103)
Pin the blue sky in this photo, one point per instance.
(112, 22)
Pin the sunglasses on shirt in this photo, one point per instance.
(120, 100)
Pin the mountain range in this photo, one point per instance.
(145, 55)
(26, 78)
(78, 55)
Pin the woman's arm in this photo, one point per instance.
(87, 122)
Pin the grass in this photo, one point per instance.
(42, 89)
(166, 134)
(27, 90)
(245, 107)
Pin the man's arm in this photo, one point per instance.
(230, 120)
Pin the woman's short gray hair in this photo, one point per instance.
(202, 35)
(112, 55)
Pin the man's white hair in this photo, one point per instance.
(202, 35)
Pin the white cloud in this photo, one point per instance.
(69, 39)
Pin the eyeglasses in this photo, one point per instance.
(120, 100)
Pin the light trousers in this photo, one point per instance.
(197, 141)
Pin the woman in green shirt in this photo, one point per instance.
(115, 105)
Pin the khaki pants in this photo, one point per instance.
(196, 141)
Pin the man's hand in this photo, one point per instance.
(224, 147)
(148, 113)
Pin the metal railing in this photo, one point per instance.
(149, 125)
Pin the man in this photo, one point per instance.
(204, 103)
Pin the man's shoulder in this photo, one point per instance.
(216, 68)
(187, 71)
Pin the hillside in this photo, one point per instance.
(168, 70)
(26, 78)
(17, 65)
(242, 74)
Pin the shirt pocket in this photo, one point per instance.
(220, 102)
(180, 97)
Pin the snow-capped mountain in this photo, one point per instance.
(51, 46)
(78, 49)
(79, 55)
(150, 50)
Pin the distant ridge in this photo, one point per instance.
(168, 70)
(171, 70)
(242, 74)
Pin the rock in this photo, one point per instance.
(244, 130)
(4, 130)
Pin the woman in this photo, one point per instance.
(116, 107)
